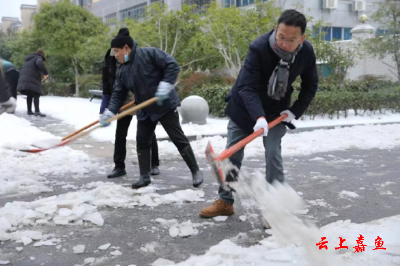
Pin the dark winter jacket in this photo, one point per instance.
(109, 70)
(141, 75)
(30, 76)
(11, 74)
(5, 93)
(248, 99)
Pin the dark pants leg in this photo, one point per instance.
(273, 157)
(144, 134)
(120, 141)
(155, 161)
(29, 99)
(172, 126)
(36, 103)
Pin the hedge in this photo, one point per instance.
(333, 103)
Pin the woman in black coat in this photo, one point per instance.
(30, 82)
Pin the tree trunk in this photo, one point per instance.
(75, 64)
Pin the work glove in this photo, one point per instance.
(290, 116)
(163, 90)
(8, 106)
(262, 123)
(107, 114)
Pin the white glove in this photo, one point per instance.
(107, 114)
(290, 116)
(164, 88)
(9, 106)
(262, 123)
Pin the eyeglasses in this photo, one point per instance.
(291, 41)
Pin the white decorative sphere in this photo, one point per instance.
(194, 109)
(363, 18)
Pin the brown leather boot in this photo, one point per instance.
(219, 208)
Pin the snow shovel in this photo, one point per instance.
(123, 108)
(217, 161)
(84, 133)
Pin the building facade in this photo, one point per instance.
(341, 15)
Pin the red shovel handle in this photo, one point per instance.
(235, 148)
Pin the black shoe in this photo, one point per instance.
(144, 181)
(155, 170)
(117, 172)
(39, 114)
(30, 113)
(188, 156)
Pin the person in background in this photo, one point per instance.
(30, 80)
(109, 70)
(149, 72)
(7, 102)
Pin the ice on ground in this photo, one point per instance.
(104, 247)
(150, 247)
(79, 249)
(220, 218)
(348, 194)
(295, 242)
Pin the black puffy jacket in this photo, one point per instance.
(31, 74)
(141, 75)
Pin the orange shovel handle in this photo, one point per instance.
(238, 146)
(123, 108)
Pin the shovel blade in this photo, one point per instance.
(216, 170)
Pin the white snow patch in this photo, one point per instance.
(104, 247)
(79, 249)
(220, 218)
(348, 194)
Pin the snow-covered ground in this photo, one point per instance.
(293, 242)
(26, 173)
(80, 112)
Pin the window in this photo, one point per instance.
(111, 16)
(326, 31)
(380, 32)
(347, 34)
(135, 12)
(245, 2)
(337, 33)
(154, 1)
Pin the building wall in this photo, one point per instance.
(27, 16)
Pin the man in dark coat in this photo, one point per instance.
(262, 92)
(149, 72)
(7, 102)
(109, 71)
(30, 82)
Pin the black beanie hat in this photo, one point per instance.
(121, 39)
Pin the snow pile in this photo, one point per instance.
(26, 173)
(76, 207)
(295, 242)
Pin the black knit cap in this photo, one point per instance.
(122, 38)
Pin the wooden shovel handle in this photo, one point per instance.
(235, 148)
(133, 109)
(123, 108)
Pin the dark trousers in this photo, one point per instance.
(171, 124)
(120, 144)
(35, 98)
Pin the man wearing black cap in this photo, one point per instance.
(149, 72)
(109, 71)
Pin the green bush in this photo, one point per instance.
(88, 82)
(58, 88)
(215, 97)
